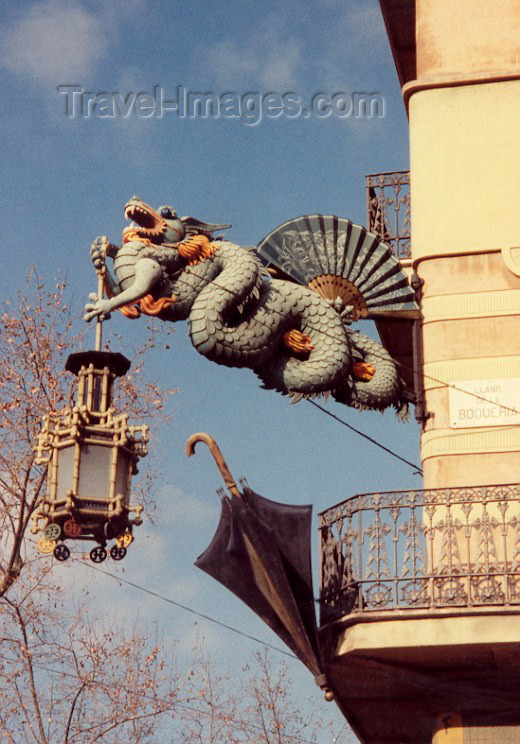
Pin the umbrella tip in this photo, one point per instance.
(322, 681)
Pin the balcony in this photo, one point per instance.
(388, 210)
(388, 217)
(452, 549)
(420, 609)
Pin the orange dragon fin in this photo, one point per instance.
(149, 306)
(196, 249)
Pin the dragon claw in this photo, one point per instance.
(96, 253)
(100, 248)
(97, 308)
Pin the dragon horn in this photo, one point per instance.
(193, 225)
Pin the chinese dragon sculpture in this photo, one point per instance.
(283, 309)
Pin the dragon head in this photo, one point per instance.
(163, 225)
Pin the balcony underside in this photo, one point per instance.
(394, 682)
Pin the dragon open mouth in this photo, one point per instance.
(149, 224)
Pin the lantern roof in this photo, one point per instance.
(116, 362)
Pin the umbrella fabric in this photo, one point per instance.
(261, 553)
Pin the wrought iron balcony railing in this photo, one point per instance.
(388, 210)
(407, 550)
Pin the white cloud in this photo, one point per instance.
(275, 57)
(358, 25)
(281, 66)
(182, 508)
(228, 60)
(54, 42)
(129, 130)
(270, 59)
(184, 589)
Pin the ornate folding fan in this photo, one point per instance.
(338, 259)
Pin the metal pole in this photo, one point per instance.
(101, 291)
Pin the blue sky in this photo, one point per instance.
(65, 181)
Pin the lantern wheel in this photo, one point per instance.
(98, 554)
(117, 553)
(45, 545)
(124, 540)
(61, 552)
(52, 531)
(71, 528)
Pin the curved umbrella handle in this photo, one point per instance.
(213, 447)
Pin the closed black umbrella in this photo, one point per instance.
(261, 553)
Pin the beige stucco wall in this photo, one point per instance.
(465, 180)
(464, 37)
(469, 335)
(471, 331)
(465, 168)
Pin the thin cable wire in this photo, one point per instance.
(183, 607)
(467, 392)
(192, 611)
(417, 470)
(352, 428)
(315, 600)
(366, 436)
(205, 282)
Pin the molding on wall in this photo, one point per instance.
(452, 254)
(452, 370)
(471, 305)
(455, 81)
(442, 442)
(511, 256)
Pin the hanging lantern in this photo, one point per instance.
(91, 454)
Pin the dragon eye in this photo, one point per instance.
(167, 213)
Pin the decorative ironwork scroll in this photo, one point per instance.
(388, 210)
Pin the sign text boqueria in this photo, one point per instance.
(484, 402)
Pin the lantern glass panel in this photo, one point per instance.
(122, 475)
(97, 389)
(94, 472)
(65, 480)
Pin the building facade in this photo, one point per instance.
(421, 589)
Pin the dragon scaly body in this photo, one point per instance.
(290, 336)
